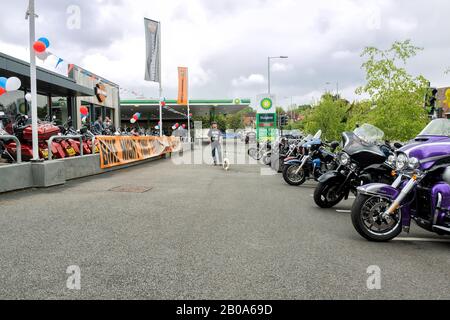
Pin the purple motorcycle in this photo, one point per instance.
(420, 193)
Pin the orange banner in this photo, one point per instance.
(182, 86)
(116, 151)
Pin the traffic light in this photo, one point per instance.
(284, 120)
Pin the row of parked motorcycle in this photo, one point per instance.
(393, 184)
(60, 148)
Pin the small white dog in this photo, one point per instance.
(226, 164)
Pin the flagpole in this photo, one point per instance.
(160, 83)
(188, 107)
(31, 16)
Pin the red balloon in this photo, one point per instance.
(163, 103)
(184, 126)
(2, 91)
(39, 47)
(135, 117)
(84, 111)
(177, 125)
(190, 114)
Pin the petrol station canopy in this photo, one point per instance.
(149, 109)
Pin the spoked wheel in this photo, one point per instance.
(293, 178)
(369, 221)
(254, 153)
(327, 194)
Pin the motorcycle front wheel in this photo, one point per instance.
(326, 194)
(290, 176)
(367, 219)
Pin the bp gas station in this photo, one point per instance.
(174, 112)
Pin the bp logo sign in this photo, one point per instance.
(266, 104)
(237, 101)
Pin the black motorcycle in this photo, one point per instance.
(362, 161)
(315, 158)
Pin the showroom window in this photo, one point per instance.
(12, 103)
(60, 110)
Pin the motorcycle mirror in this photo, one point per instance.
(446, 175)
(398, 145)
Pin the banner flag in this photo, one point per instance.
(182, 86)
(153, 51)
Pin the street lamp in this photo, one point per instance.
(268, 68)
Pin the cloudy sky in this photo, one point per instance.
(225, 43)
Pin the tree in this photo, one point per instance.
(397, 97)
(328, 116)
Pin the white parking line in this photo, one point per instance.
(422, 240)
(344, 211)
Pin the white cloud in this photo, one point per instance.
(253, 79)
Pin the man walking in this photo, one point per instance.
(215, 136)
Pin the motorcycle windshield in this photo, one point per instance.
(318, 135)
(369, 133)
(438, 127)
(355, 145)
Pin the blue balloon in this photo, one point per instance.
(3, 82)
(45, 41)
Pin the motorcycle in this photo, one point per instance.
(420, 193)
(21, 128)
(263, 152)
(362, 161)
(313, 162)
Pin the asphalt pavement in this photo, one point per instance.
(166, 231)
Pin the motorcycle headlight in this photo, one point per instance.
(391, 160)
(414, 163)
(402, 161)
(344, 159)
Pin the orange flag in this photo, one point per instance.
(182, 86)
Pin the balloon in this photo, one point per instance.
(3, 82)
(174, 127)
(133, 120)
(163, 103)
(13, 84)
(177, 125)
(45, 42)
(39, 46)
(157, 127)
(43, 55)
(2, 91)
(184, 126)
(135, 117)
(84, 110)
(28, 97)
(138, 115)
(190, 114)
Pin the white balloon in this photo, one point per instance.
(133, 120)
(43, 55)
(13, 84)
(28, 97)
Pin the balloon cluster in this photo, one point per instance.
(41, 45)
(135, 117)
(175, 126)
(9, 84)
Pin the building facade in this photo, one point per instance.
(56, 94)
(105, 101)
